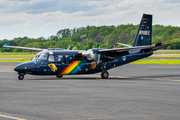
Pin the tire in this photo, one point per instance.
(21, 77)
(59, 76)
(104, 74)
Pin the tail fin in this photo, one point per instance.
(144, 33)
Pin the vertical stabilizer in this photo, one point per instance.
(144, 33)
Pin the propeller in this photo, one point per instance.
(92, 56)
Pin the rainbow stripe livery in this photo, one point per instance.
(73, 68)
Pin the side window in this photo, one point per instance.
(67, 58)
(51, 58)
(59, 58)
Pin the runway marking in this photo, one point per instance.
(11, 117)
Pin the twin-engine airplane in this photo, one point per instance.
(61, 62)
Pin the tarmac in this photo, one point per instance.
(132, 92)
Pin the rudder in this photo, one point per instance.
(144, 33)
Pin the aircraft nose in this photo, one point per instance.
(18, 68)
(24, 67)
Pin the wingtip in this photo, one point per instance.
(6, 44)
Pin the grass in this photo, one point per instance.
(167, 52)
(17, 54)
(158, 61)
(15, 60)
(165, 55)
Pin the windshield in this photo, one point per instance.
(36, 57)
(43, 56)
(40, 56)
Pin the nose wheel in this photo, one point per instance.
(21, 77)
(104, 74)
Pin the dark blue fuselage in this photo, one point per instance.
(68, 62)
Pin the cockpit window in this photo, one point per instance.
(36, 57)
(51, 58)
(43, 56)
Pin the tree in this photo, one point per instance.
(93, 33)
(79, 46)
(124, 37)
(90, 44)
(64, 33)
(112, 39)
(97, 39)
(53, 37)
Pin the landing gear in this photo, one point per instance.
(104, 74)
(21, 77)
(59, 76)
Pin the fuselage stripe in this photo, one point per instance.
(66, 68)
(71, 68)
(76, 67)
(79, 67)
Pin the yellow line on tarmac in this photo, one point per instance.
(11, 117)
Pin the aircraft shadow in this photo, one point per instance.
(84, 78)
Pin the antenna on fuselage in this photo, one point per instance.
(69, 47)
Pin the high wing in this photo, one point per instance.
(25, 48)
(113, 54)
(33, 49)
(119, 52)
(162, 46)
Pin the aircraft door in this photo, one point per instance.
(51, 58)
(59, 61)
(52, 64)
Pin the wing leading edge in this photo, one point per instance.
(25, 48)
(125, 51)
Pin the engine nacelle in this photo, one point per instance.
(94, 55)
(91, 55)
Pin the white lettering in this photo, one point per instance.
(144, 32)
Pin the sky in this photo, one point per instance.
(43, 18)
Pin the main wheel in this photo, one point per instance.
(104, 74)
(59, 76)
(21, 77)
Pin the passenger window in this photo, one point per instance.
(60, 58)
(67, 58)
(51, 58)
